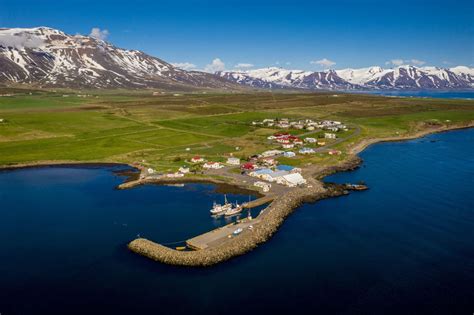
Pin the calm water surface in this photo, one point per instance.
(404, 246)
(453, 94)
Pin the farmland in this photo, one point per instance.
(164, 131)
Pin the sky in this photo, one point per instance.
(307, 35)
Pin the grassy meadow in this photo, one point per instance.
(163, 131)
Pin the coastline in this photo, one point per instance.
(274, 215)
(271, 217)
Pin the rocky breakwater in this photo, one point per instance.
(269, 221)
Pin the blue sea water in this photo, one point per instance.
(427, 94)
(406, 246)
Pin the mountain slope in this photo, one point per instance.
(402, 77)
(50, 58)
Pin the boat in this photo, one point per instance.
(234, 210)
(218, 209)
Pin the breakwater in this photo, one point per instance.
(269, 221)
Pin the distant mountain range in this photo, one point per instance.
(402, 77)
(45, 57)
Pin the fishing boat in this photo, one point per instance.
(218, 209)
(234, 210)
(238, 231)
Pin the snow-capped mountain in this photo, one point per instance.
(50, 58)
(281, 78)
(402, 77)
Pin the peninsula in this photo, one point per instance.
(280, 145)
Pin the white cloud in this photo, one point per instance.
(243, 65)
(20, 41)
(215, 65)
(184, 65)
(417, 62)
(399, 62)
(97, 33)
(323, 62)
(395, 62)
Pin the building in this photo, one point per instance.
(265, 186)
(269, 161)
(183, 169)
(321, 142)
(310, 140)
(334, 152)
(271, 153)
(306, 151)
(328, 135)
(262, 173)
(298, 141)
(276, 176)
(287, 145)
(289, 154)
(213, 165)
(197, 159)
(293, 180)
(174, 175)
(248, 166)
(287, 168)
(233, 161)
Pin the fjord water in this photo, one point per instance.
(451, 94)
(404, 246)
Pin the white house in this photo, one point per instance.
(184, 170)
(233, 161)
(310, 140)
(271, 153)
(287, 145)
(289, 154)
(213, 165)
(293, 180)
(174, 175)
(306, 151)
(328, 135)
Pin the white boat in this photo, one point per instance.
(234, 210)
(218, 209)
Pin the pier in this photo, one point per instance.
(220, 235)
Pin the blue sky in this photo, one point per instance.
(291, 34)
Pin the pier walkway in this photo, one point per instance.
(219, 235)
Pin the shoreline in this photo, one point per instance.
(270, 219)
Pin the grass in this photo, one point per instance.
(164, 131)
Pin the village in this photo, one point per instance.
(264, 168)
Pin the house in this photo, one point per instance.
(310, 140)
(213, 165)
(269, 161)
(276, 176)
(265, 186)
(335, 129)
(248, 166)
(293, 180)
(306, 151)
(233, 161)
(311, 128)
(334, 152)
(321, 143)
(197, 159)
(298, 126)
(261, 173)
(288, 145)
(289, 154)
(298, 141)
(183, 169)
(287, 168)
(328, 135)
(271, 153)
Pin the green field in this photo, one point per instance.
(124, 126)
